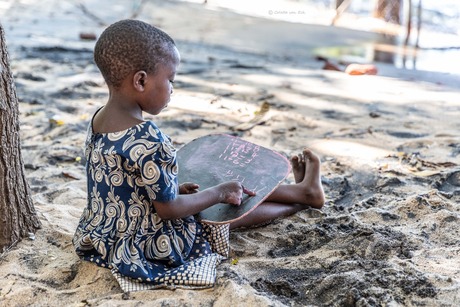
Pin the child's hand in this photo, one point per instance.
(232, 192)
(188, 188)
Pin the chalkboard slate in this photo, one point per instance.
(218, 158)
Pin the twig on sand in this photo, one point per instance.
(8, 291)
(85, 11)
(259, 118)
(135, 12)
(6, 250)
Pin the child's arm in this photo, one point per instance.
(189, 204)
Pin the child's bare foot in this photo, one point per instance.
(288, 199)
(307, 191)
(309, 179)
(298, 167)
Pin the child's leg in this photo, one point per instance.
(308, 190)
(289, 199)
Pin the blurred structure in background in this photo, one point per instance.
(401, 23)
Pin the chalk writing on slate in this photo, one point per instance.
(218, 158)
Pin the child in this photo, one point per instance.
(139, 221)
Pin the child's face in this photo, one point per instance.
(159, 86)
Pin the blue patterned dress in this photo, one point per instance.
(119, 229)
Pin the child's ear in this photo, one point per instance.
(139, 80)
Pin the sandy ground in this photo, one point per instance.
(389, 146)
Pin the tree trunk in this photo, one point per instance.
(419, 23)
(17, 213)
(342, 6)
(338, 3)
(388, 10)
(409, 23)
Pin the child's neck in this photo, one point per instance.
(117, 116)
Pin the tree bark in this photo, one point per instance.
(17, 214)
(419, 23)
(338, 3)
(344, 4)
(388, 10)
(409, 23)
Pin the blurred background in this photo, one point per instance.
(415, 34)
(410, 34)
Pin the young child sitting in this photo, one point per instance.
(139, 221)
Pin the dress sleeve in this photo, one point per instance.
(158, 169)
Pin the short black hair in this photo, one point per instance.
(128, 46)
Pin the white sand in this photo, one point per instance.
(389, 144)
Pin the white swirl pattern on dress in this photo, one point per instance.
(112, 210)
(135, 210)
(151, 172)
(116, 178)
(137, 151)
(122, 224)
(127, 172)
(162, 247)
(99, 175)
(115, 136)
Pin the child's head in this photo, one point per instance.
(128, 46)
